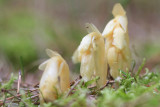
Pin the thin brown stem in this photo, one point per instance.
(19, 82)
(76, 83)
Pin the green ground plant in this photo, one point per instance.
(136, 90)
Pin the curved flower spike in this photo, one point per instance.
(91, 55)
(117, 42)
(55, 78)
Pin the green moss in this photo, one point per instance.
(9, 84)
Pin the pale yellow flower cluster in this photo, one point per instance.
(117, 42)
(55, 78)
(95, 52)
(91, 53)
(117, 53)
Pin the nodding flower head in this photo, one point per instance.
(55, 78)
(90, 53)
(116, 37)
(119, 20)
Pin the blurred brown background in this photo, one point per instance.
(28, 27)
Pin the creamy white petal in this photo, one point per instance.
(123, 22)
(85, 43)
(109, 28)
(75, 58)
(43, 65)
(119, 38)
(87, 67)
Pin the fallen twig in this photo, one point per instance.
(76, 83)
(19, 82)
(75, 80)
(108, 82)
(4, 100)
(14, 96)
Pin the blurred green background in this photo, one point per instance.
(28, 27)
